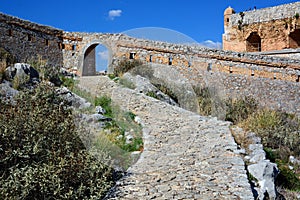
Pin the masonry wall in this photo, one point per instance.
(276, 27)
(273, 81)
(30, 41)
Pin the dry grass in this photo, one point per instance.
(2, 70)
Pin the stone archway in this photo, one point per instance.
(253, 42)
(294, 39)
(88, 61)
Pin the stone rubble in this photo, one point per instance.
(185, 156)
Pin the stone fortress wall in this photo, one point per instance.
(268, 29)
(27, 41)
(274, 81)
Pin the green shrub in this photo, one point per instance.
(121, 123)
(204, 100)
(152, 94)
(106, 103)
(20, 81)
(240, 109)
(287, 178)
(41, 155)
(68, 82)
(126, 65)
(276, 129)
(2, 70)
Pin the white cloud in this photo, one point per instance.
(112, 14)
(103, 55)
(212, 44)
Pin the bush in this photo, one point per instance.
(240, 109)
(276, 129)
(2, 70)
(121, 122)
(287, 178)
(152, 94)
(204, 100)
(126, 65)
(106, 103)
(41, 155)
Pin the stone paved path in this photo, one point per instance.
(186, 156)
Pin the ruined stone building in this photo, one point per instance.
(268, 29)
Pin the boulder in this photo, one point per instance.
(22, 70)
(73, 99)
(7, 92)
(143, 85)
(265, 173)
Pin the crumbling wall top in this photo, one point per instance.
(266, 14)
(14, 21)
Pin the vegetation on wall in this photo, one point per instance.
(41, 155)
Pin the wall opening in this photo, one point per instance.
(46, 42)
(132, 55)
(10, 33)
(29, 38)
(294, 39)
(96, 60)
(74, 47)
(170, 60)
(253, 42)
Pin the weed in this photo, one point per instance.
(106, 103)
(127, 83)
(276, 129)
(152, 94)
(2, 70)
(240, 109)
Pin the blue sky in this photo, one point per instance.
(198, 19)
(201, 20)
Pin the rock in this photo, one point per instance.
(73, 99)
(7, 92)
(100, 110)
(138, 120)
(265, 172)
(293, 160)
(128, 137)
(95, 118)
(22, 70)
(66, 72)
(257, 153)
(143, 85)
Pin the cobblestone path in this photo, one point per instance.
(186, 156)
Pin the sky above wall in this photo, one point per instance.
(190, 20)
(201, 20)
